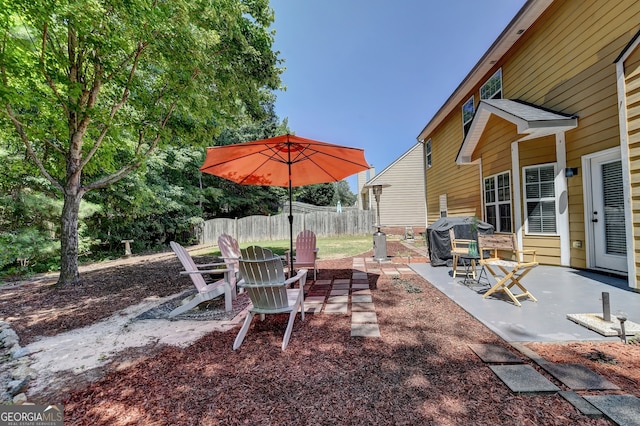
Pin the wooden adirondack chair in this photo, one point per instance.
(262, 277)
(460, 247)
(306, 252)
(230, 251)
(206, 292)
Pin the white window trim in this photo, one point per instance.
(428, 153)
(473, 111)
(526, 199)
(498, 203)
(499, 70)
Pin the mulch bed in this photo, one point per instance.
(421, 371)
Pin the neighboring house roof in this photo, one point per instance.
(527, 15)
(379, 178)
(531, 120)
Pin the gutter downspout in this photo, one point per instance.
(424, 181)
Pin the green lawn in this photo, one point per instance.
(330, 247)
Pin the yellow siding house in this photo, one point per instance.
(542, 138)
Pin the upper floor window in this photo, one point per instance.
(492, 89)
(497, 201)
(427, 152)
(468, 109)
(540, 199)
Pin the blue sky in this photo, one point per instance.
(371, 73)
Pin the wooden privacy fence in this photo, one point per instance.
(266, 228)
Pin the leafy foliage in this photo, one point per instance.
(92, 88)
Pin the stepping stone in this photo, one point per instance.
(341, 281)
(579, 377)
(364, 317)
(365, 330)
(581, 404)
(363, 307)
(363, 286)
(312, 308)
(335, 308)
(339, 292)
(495, 354)
(359, 276)
(621, 409)
(360, 291)
(322, 282)
(337, 299)
(341, 287)
(361, 298)
(314, 299)
(523, 379)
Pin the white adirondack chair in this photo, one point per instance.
(306, 252)
(206, 292)
(230, 251)
(263, 279)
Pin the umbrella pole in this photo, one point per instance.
(291, 272)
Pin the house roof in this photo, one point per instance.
(532, 121)
(379, 178)
(525, 17)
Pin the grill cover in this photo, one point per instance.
(438, 236)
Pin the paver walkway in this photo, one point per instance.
(352, 295)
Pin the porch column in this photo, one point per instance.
(632, 270)
(517, 197)
(562, 204)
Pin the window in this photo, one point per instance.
(492, 89)
(468, 110)
(497, 201)
(540, 199)
(427, 152)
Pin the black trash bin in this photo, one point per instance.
(439, 243)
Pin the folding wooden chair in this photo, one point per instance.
(461, 247)
(507, 272)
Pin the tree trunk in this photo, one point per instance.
(69, 237)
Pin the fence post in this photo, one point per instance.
(235, 229)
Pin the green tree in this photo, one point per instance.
(344, 194)
(326, 194)
(91, 88)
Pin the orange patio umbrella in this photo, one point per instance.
(285, 161)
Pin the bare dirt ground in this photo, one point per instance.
(421, 371)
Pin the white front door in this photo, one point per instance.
(608, 248)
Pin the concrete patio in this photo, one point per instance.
(559, 291)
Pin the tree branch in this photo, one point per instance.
(125, 170)
(43, 68)
(27, 143)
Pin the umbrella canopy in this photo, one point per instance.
(286, 161)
